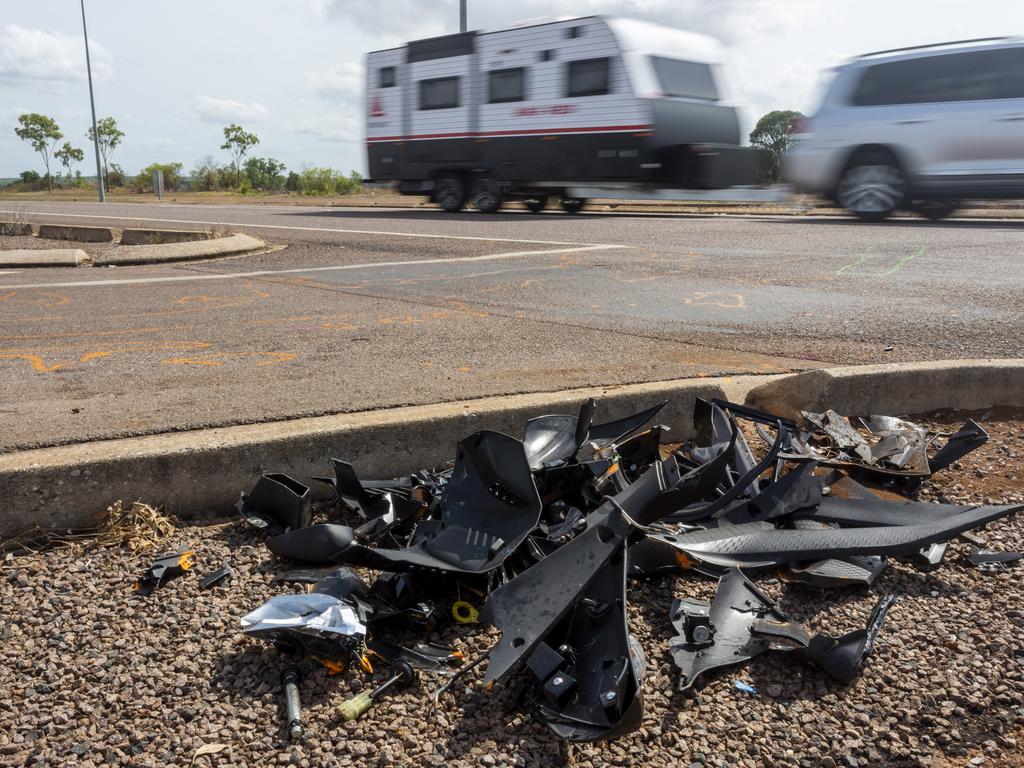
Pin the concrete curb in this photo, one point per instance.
(197, 249)
(15, 229)
(161, 236)
(76, 233)
(201, 473)
(48, 257)
(895, 389)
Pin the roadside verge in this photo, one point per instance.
(199, 474)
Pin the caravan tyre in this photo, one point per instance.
(573, 204)
(536, 203)
(487, 197)
(450, 192)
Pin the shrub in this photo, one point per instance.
(205, 176)
(172, 177)
(116, 176)
(292, 184)
(264, 174)
(327, 181)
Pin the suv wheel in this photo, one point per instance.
(872, 186)
(450, 192)
(934, 210)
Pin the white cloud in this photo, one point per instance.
(404, 18)
(342, 128)
(33, 55)
(344, 81)
(213, 110)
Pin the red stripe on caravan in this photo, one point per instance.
(517, 132)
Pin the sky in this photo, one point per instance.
(174, 73)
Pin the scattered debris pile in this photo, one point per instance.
(537, 537)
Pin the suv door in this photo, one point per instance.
(957, 119)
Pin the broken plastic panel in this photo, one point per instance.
(278, 502)
(742, 622)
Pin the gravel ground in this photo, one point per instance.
(95, 674)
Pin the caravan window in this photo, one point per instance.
(439, 93)
(686, 79)
(588, 77)
(506, 85)
(387, 77)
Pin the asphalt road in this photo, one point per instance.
(373, 308)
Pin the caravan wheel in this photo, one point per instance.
(573, 204)
(487, 197)
(536, 203)
(450, 192)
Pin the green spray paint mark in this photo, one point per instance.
(848, 269)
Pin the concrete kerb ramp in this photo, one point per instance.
(184, 251)
(895, 389)
(199, 474)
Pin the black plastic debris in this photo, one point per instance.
(742, 622)
(278, 502)
(163, 569)
(539, 537)
(222, 573)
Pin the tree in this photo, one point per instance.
(265, 173)
(109, 137)
(206, 175)
(238, 142)
(772, 135)
(68, 155)
(42, 133)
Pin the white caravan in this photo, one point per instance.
(545, 108)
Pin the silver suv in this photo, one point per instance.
(917, 128)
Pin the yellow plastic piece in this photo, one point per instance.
(185, 561)
(464, 612)
(364, 662)
(353, 708)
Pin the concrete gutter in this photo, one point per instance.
(166, 252)
(48, 257)
(199, 474)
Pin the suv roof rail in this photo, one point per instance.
(936, 45)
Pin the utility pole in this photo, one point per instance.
(462, 15)
(92, 103)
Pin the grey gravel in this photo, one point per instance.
(93, 674)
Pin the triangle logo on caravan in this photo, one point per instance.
(377, 108)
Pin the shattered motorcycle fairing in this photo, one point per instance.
(761, 545)
(588, 669)
(550, 441)
(277, 502)
(488, 508)
(527, 607)
(741, 622)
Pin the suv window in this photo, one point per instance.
(439, 93)
(687, 79)
(506, 85)
(587, 77)
(970, 76)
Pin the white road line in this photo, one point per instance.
(305, 229)
(9, 271)
(303, 270)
